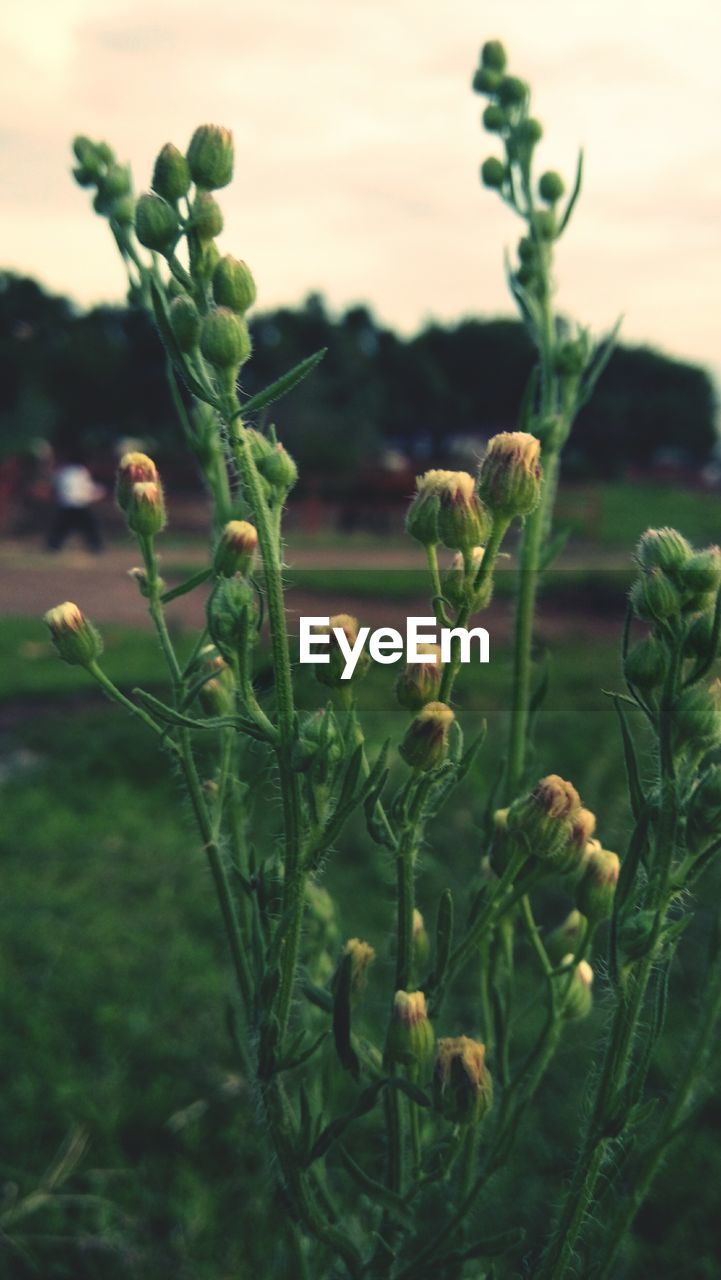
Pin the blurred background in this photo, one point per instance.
(357, 204)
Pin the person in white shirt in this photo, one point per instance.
(75, 491)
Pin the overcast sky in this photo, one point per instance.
(358, 143)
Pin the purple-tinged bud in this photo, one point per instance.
(236, 549)
(551, 186)
(134, 468)
(410, 1037)
(595, 891)
(207, 216)
(580, 998)
(210, 157)
(185, 322)
(146, 509)
(224, 339)
(509, 481)
(156, 223)
(462, 1085)
(420, 682)
(233, 284)
(171, 175)
(425, 745)
(76, 640)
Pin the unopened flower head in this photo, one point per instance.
(224, 339)
(318, 746)
(331, 673)
(236, 549)
(654, 597)
(210, 156)
(701, 579)
(134, 468)
(362, 956)
(156, 223)
(171, 175)
(76, 640)
(231, 612)
(278, 471)
(425, 745)
(551, 186)
(463, 520)
(664, 549)
(185, 323)
(233, 284)
(510, 477)
(646, 664)
(580, 998)
(207, 216)
(458, 582)
(217, 695)
(697, 718)
(595, 892)
(565, 938)
(544, 820)
(462, 1085)
(419, 682)
(422, 518)
(146, 508)
(421, 945)
(410, 1038)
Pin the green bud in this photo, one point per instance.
(233, 284)
(410, 1036)
(580, 998)
(463, 520)
(566, 937)
(551, 186)
(512, 91)
(663, 549)
(122, 211)
(486, 81)
(425, 745)
(84, 177)
(117, 181)
(493, 172)
(543, 820)
(185, 322)
(156, 223)
(597, 886)
(458, 582)
(224, 339)
(207, 216)
(318, 746)
(236, 549)
(278, 470)
(420, 682)
(527, 276)
(646, 664)
(171, 175)
(76, 640)
(493, 56)
(146, 509)
(701, 577)
(699, 642)
(422, 518)
(509, 481)
(527, 251)
(569, 358)
(529, 132)
(230, 613)
(462, 1085)
(704, 812)
(421, 946)
(210, 157)
(654, 597)
(697, 718)
(494, 118)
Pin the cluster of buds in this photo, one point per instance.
(217, 693)
(674, 581)
(410, 1035)
(447, 509)
(76, 640)
(565, 939)
(139, 494)
(547, 821)
(97, 167)
(425, 745)
(420, 682)
(462, 1084)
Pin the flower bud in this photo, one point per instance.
(493, 172)
(494, 118)
(331, 673)
(485, 80)
(88, 157)
(529, 131)
(463, 520)
(362, 956)
(422, 518)
(122, 210)
(527, 251)
(425, 745)
(76, 640)
(544, 820)
(654, 597)
(493, 56)
(699, 641)
(579, 999)
(224, 339)
(420, 681)
(134, 468)
(236, 549)
(318, 746)
(207, 216)
(117, 181)
(410, 1037)
(233, 284)
(278, 470)
(697, 717)
(566, 937)
(704, 811)
(663, 549)
(146, 509)
(551, 186)
(569, 358)
(230, 613)
(509, 481)
(646, 664)
(210, 157)
(512, 91)
(217, 695)
(156, 223)
(171, 175)
(594, 895)
(140, 578)
(462, 1085)
(459, 586)
(185, 322)
(701, 578)
(421, 946)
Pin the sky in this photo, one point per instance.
(358, 142)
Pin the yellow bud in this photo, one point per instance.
(236, 549)
(132, 469)
(462, 1085)
(76, 640)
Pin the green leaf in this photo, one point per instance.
(553, 548)
(294, 1059)
(411, 1090)
(365, 1103)
(638, 800)
(375, 1190)
(170, 716)
(342, 1019)
(282, 385)
(444, 936)
(600, 359)
(573, 196)
(189, 585)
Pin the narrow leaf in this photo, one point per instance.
(632, 772)
(342, 1019)
(189, 585)
(573, 196)
(163, 322)
(375, 1190)
(444, 936)
(282, 385)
